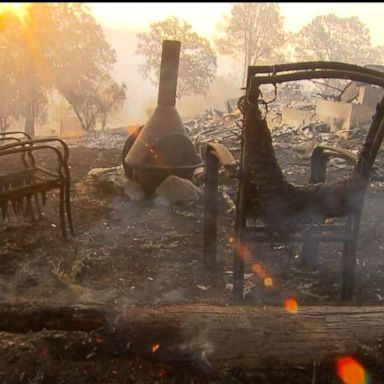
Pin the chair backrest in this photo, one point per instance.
(372, 144)
(281, 73)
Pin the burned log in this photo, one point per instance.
(237, 336)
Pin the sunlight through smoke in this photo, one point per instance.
(19, 9)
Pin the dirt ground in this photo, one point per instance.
(133, 253)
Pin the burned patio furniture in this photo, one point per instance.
(24, 178)
(285, 212)
(13, 136)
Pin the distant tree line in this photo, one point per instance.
(58, 46)
(254, 33)
(61, 47)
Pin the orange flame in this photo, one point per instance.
(268, 282)
(155, 347)
(350, 371)
(291, 305)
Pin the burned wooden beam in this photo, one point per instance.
(237, 336)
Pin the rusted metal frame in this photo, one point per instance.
(67, 178)
(325, 229)
(18, 140)
(241, 217)
(376, 137)
(319, 158)
(64, 181)
(256, 81)
(10, 133)
(336, 70)
(349, 252)
(217, 155)
(301, 228)
(10, 139)
(329, 150)
(298, 238)
(253, 82)
(210, 210)
(371, 146)
(310, 65)
(32, 142)
(318, 233)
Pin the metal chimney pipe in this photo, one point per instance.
(169, 69)
(162, 147)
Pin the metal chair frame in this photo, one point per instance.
(310, 235)
(28, 179)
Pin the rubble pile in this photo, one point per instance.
(225, 127)
(109, 139)
(216, 126)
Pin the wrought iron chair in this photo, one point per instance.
(23, 178)
(250, 195)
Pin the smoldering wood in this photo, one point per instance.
(236, 336)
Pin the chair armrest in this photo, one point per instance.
(13, 134)
(33, 142)
(320, 156)
(225, 158)
(22, 148)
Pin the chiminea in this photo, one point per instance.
(162, 147)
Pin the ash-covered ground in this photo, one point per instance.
(143, 252)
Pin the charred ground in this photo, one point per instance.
(133, 253)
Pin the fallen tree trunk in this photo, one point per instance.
(240, 336)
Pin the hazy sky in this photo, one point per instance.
(204, 16)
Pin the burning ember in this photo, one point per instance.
(291, 305)
(351, 371)
(268, 282)
(155, 347)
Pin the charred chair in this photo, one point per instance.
(24, 178)
(285, 212)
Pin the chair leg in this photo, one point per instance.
(348, 274)
(68, 205)
(310, 251)
(210, 212)
(240, 223)
(349, 257)
(238, 274)
(61, 211)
